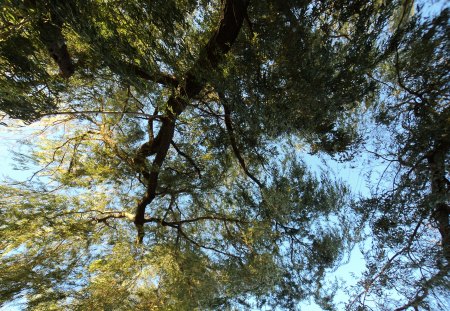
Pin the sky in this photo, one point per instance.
(10, 141)
(354, 174)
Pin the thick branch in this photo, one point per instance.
(50, 33)
(110, 215)
(158, 77)
(219, 44)
(439, 189)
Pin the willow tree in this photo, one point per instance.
(168, 174)
(409, 215)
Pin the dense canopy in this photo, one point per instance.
(169, 153)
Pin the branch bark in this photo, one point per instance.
(219, 44)
(50, 33)
(157, 77)
(439, 189)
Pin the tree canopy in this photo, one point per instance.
(168, 153)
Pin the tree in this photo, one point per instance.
(168, 173)
(410, 217)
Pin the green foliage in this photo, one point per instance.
(413, 211)
(175, 121)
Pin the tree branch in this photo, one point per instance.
(439, 189)
(50, 33)
(109, 215)
(146, 115)
(387, 265)
(161, 221)
(158, 77)
(218, 45)
(191, 220)
(229, 126)
(423, 292)
(206, 247)
(188, 158)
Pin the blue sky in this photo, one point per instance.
(349, 173)
(354, 174)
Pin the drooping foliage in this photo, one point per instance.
(409, 217)
(167, 172)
